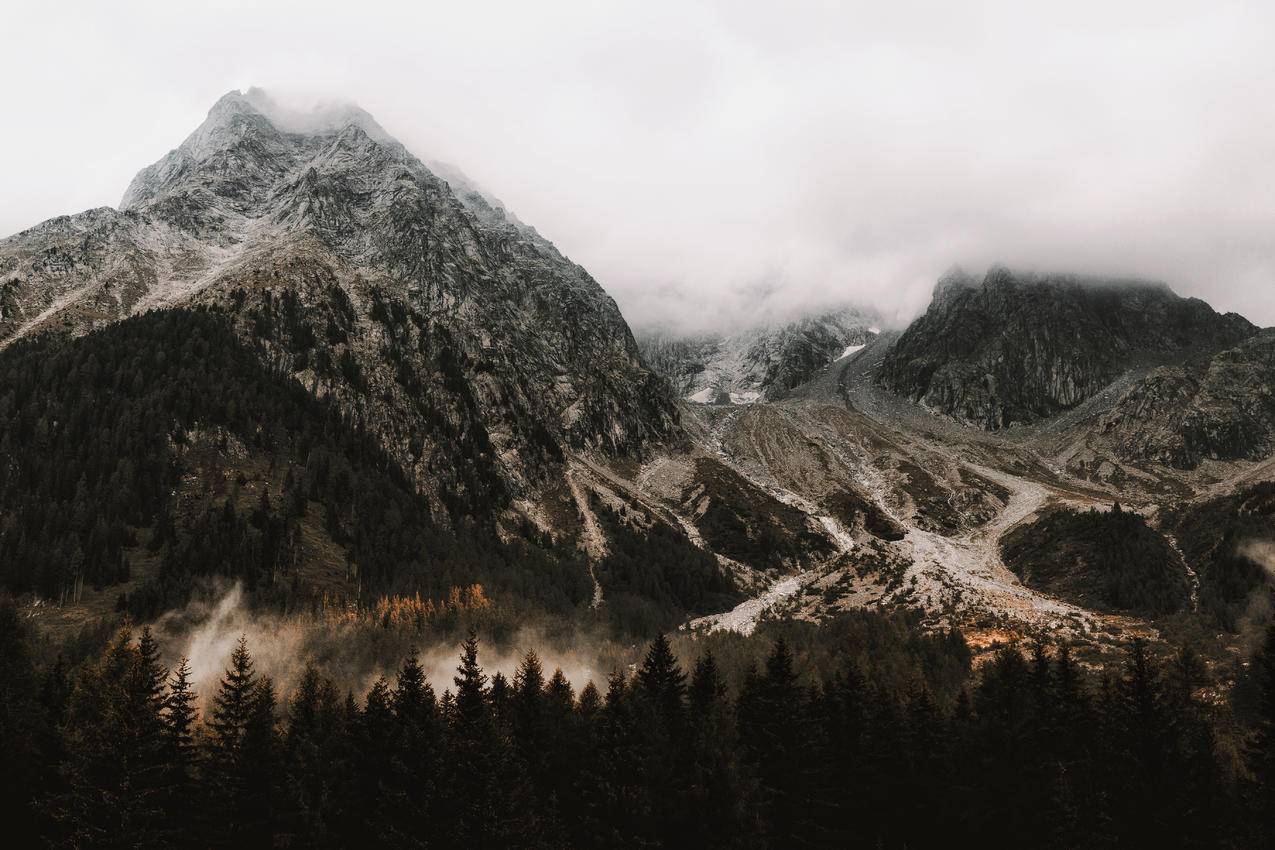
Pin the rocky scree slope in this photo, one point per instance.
(1017, 348)
(1220, 407)
(457, 334)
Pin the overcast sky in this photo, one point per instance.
(712, 161)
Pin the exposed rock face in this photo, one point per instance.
(759, 363)
(426, 309)
(1017, 348)
(1220, 407)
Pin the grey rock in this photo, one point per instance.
(301, 227)
(1220, 407)
(1018, 348)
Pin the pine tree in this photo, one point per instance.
(662, 684)
(27, 739)
(1261, 752)
(707, 689)
(418, 745)
(233, 704)
(376, 787)
(180, 716)
(472, 710)
(243, 752)
(258, 777)
(713, 786)
(116, 747)
(590, 704)
(479, 790)
(150, 675)
(315, 722)
(529, 723)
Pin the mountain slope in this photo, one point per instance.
(1019, 348)
(164, 448)
(1220, 407)
(369, 280)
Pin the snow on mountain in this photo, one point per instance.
(758, 363)
(417, 301)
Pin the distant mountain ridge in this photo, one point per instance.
(757, 363)
(1017, 348)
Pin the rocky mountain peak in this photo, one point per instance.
(407, 298)
(952, 282)
(1020, 346)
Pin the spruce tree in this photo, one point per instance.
(418, 746)
(258, 779)
(180, 717)
(479, 791)
(115, 744)
(662, 684)
(233, 705)
(1261, 752)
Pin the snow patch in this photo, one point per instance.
(704, 396)
(744, 398)
(851, 349)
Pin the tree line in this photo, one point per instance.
(1031, 752)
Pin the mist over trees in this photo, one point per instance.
(1033, 750)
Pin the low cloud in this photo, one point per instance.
(353, 652)
(706, 160)
(1260, 610)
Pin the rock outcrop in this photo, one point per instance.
(1220, 407)
(1018, 348)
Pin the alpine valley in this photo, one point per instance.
(298, 356)
(307, 401)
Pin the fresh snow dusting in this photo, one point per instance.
(874, 330)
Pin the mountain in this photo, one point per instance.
(428, 313)
(756, 363)
(300, 357)
(1017, 348)
(1220, 407)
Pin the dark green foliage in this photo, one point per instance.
(28, 711)
(1262, 748)
(1029, 753)
(1214, 536)
(652, 577)
(97, 433)
(748, 524)
(1099, 559)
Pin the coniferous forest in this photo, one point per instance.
(1030, 751)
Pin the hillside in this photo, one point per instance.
(1018, 348)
